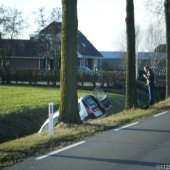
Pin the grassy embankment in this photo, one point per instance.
(24, 109)
(37, 144)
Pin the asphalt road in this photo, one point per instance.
(143, 145)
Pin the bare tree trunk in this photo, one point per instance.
(130, 100)
(167, 19)
(68, 97)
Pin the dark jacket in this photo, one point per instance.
(150, 77)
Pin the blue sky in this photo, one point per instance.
(101, 21)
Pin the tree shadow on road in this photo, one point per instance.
(113, 161)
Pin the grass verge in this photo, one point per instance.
(26, 107)
(16, 150)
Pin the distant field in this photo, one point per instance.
(14, 98)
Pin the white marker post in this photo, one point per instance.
(50, 124)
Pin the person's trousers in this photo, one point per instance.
(151, 95)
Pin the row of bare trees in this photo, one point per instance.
(151, 36)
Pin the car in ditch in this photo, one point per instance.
(94, 106)
(90, 107)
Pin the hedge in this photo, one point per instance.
(109, 79)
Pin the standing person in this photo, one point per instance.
(149, 76)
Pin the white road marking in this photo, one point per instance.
(60, 150)
(123, 127)
(160, 114)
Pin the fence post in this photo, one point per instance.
(50, 125)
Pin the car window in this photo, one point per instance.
(90, 101)
(99, 93)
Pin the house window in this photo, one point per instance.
(81, 62)
(51, 64)
(90, 63)
(42, 64)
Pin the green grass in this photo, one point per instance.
(16, 98)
